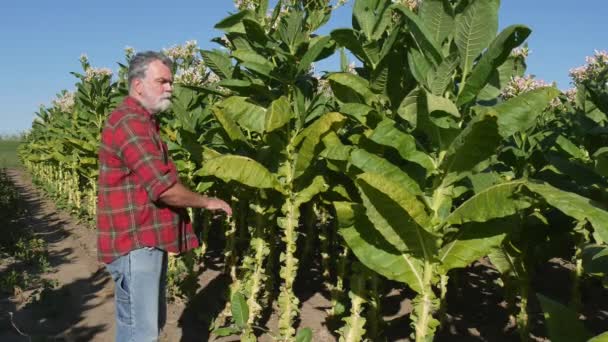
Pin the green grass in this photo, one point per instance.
(8, 153)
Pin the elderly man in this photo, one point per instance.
(140, 214)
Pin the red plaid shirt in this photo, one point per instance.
(134, 170)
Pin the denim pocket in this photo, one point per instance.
(123, 299)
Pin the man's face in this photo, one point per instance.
(155, 89)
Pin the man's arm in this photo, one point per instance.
(179, 196)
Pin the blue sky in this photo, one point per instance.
(42, 40)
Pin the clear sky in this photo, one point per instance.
(42, 40)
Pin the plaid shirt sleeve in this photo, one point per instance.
(142, 152)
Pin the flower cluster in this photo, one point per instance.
(522, 52)
(593, 68)
(65, 102)
(411, 4)
(571, 95)
(129, 52)
(96, 73)
(519, 85)
(186, 55)
(244, 4)
(189, 76)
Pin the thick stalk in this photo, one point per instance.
(354, 330)
(336, 292)
(374, 314)
(425, 305)
(325, 240)
(288, 302)
(522, 316)
(575, 301)
(443, 306)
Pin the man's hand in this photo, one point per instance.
(212, 203)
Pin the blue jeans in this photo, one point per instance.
(140, 279)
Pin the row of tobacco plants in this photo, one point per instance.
(431, 150)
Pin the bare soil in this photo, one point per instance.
(81, 307)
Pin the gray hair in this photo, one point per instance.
(138, 65)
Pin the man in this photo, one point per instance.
(140, 214)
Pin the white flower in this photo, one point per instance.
(593, 68)
(519, 85)
(65, 102)
(521, 52)
(97, 73)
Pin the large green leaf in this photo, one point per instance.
(312, 53)
(234, 23)
(310, 138)
(247, 114)
(438, 17)
(387, 134)
(397, 215)
(230, 127)
(477, 142)
(254, 62)
(497, 201)
(600, 338)
(369, 15)
(317, 186)
(473, 241)
(575, 206)
(240, 169)
(520, 113)
(475, 29)
(563, 324)
(496, 55)
(440, 79)
(349, 39)
(278, 114)
(422, 35)
(369, 162)
(595, 259)
(373, 250)
(351, 88)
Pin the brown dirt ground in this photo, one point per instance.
(81, 307)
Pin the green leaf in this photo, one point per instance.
(229, 126)
(600, 158)
(477, 142)
(497, 201)
(441, 104)
(373, 250)
(438, 17)
(247, 114)
(563, 324)
(575, 206)
(255, 32)
(278, 115)
(595, 259)
(304, 335)
(234, 23)
(422, 35)
(312, 53)
(475, 29)
(351, 88)
(219, 62)
(397, 215)
(496, 55)
(600, 338)
(254, 62)
(310, 138)
(317, 186)
(420, 67)
(369, 162)
(357, 111)
(441, 79)
(520, 113)
(473, 241)
(240, 310)
(291, 30)
(349, 39)
(240, 169)
(368, 14)
(387, 134)
(568, 146)
(222, 332)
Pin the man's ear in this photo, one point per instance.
(137, 85)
